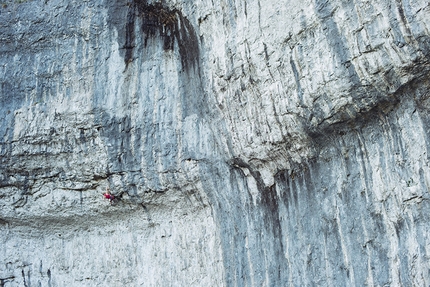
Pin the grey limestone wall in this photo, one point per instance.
(248, 143)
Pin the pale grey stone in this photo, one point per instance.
(248, 143)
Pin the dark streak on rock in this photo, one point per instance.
(297, 79)
(169, 24)
(49, 277)
(403, 17)
(23, 278)
(324, 10)
(399, 225)
(238, 162)
(269, 200)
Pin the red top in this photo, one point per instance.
(108, 196)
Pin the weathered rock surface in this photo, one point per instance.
(249, 143)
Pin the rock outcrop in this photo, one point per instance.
(247, 143)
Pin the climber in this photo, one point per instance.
(109, 196)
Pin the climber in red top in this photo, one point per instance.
(109, 196)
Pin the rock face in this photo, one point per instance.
(248, 143)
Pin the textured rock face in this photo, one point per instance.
(281, 143)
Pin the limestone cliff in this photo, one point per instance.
(247, 142)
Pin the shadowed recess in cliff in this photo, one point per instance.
(159, 21)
